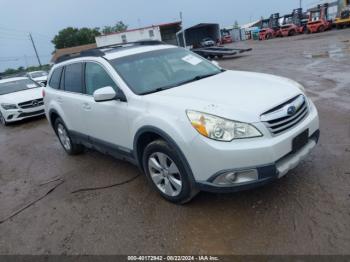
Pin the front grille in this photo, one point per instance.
(31, 103)
(285, 116)
(31, 113)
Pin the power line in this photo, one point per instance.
(12, 30)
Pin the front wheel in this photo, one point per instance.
(292, 33)
(65, 139)
(167, 173)
(321, 29)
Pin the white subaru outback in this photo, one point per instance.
(188, 124)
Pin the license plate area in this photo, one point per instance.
(300, 141)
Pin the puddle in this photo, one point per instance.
(334, 52)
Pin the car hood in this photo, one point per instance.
(41, 78)
(22, 96)
(236, 95)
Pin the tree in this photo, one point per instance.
(107, 30)
(10, 71)
(70, 37)
(118, 27)
(236, 25)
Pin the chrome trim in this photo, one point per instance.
(282, 112)
(286, 116)
(288, 119)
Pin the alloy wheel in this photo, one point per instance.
(63, 136)
(165, 174)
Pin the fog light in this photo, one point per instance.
(9, 117)
(236, 177)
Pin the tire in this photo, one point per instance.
(321, 29)
(2, 120)
(292, 33)
(268, 37)
(167, 173)
(65, 139)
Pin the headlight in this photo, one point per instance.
(220, 129)
(8, 106)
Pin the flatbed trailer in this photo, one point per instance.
(212, 52)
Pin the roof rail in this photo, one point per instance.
(99, 51)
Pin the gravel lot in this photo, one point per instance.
(306, 212)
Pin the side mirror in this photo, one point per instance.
(104, 94)
(216, 63)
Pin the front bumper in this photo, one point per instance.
(267, 173)
(207, 157)
(20, 114)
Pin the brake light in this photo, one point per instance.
(43, 92)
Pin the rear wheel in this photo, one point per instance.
(292, 33)
(65, 139)
(2, 120)
(167, 173)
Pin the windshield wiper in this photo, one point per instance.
(156, 90)
(196, 78)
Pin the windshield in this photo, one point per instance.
(315, 16)
(38, 74)
(16, 86)
(162, 69)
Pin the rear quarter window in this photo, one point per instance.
(55, 78)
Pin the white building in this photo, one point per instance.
(161, 32)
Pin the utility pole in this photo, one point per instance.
(36, 52)
(183, 30)
(301, 3)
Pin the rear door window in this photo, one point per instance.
(55, 78)
(73, 78)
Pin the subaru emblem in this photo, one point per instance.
(291, 110)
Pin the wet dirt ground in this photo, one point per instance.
(306, 212)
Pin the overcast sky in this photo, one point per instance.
(44, 18)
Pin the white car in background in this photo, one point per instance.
(20, 98)
(38, 76)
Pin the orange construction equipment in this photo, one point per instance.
(318, 20)
(293, 23)
(270, 28)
